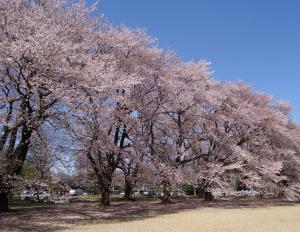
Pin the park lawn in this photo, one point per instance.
(112, 196)
(265, 219)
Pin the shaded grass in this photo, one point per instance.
(76, 214)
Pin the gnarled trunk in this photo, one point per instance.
(3, 201)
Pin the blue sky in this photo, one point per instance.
(257, 41)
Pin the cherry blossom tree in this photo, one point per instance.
(102, 119)
(169, 107)
(129, 105)
(37, 38)
(47, 54)
(240, 141)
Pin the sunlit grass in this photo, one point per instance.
(273, 219)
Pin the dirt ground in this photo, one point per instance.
(186, 215)
(273, 219)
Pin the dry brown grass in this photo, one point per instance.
(184, 215)
(270, 219)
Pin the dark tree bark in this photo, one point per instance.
(104, 175)
(105, 183)
(128, 190)
(4, 201)
(130, 170)
(105, 201)
(208, 196)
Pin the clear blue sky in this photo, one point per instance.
(257, 41)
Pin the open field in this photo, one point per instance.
(186, 215)
(270, 219)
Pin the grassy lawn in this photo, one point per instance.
(112, 197)
(266, 219)
(149, 215)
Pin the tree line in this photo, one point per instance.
(121, 103)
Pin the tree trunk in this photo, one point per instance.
(205, 194)
(203, 191)
(4, 201)
(105, 196)
(208, 196)
(128, 190)
(166, 195)
(200, 192)
(105, 184)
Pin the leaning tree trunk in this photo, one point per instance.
(128, 189)
(3, 201)
(166, 194)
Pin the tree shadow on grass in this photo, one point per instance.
(49, 218)
(142, 211)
